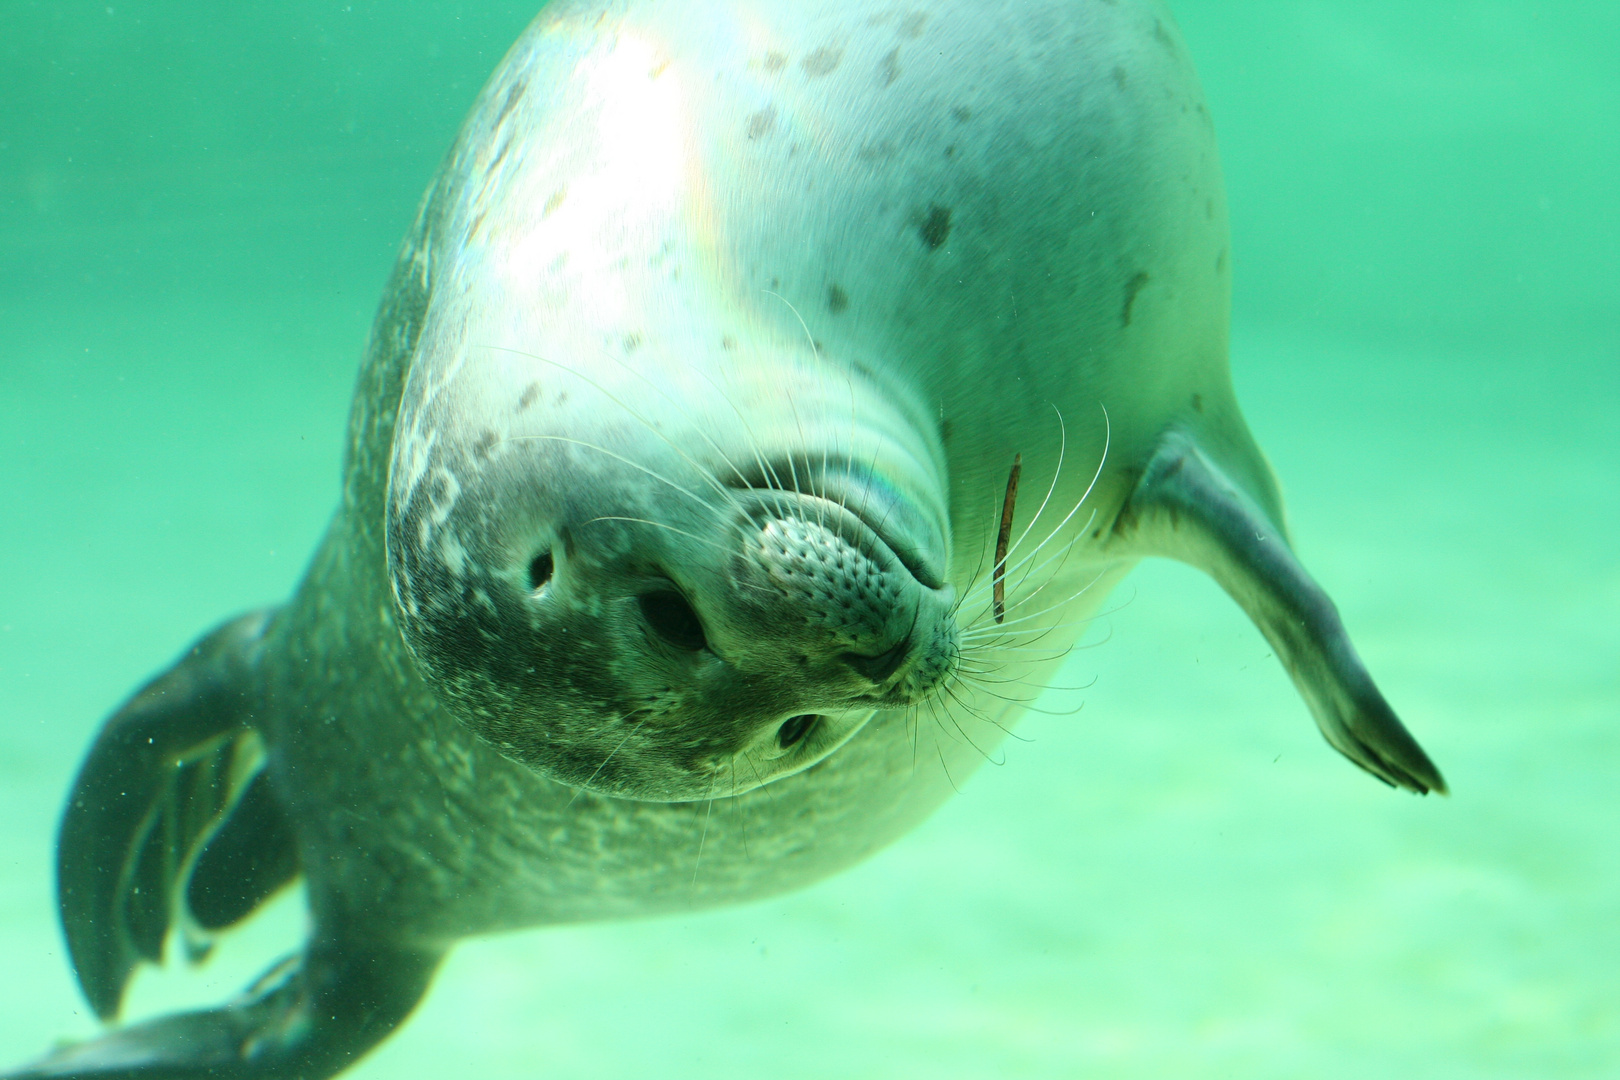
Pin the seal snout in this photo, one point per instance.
(827, 585)
(828, 572)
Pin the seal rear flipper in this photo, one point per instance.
(245, 860)
(310, 1016)
(1186, 507)
(156, 803)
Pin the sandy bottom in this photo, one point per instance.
(1181, 880)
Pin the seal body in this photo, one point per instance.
(988, 238)
(662, 576)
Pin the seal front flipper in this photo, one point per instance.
(309, 1017)
(1187, 507)
(171, 802)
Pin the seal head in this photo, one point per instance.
(623, 606)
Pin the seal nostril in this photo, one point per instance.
(673, 619)
(794, 729)
(878, 668)
(540, 570)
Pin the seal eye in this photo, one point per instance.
(540, 571)
(794, 729)
(673, 619)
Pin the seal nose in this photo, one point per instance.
(880, 667)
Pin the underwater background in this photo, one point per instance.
(199, 204)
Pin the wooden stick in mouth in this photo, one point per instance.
(998, 595)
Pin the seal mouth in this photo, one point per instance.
(860, 494)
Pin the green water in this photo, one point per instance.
(198, 206)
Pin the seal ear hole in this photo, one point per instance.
(540, 570)
(794, 729)
(673, 619)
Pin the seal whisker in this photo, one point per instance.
(1003, 552)
(849, 443)
(739, 813)
(962, 597)
(661, 525)
(1043, 611)
(822, 494)
(767, 470)
(1027, 564)
(793, 404)
(1034, 634)
(992, 677)
(1025, 599)
(913, 721)
(981, 590)
(954, 691)
(682, 532)
(950, 691)
(980, 632)
(1012, 672)
(874, 532)
(1027, 640)
(649, 425)
(691, 421)
(995, 637)
(994, 674)
(947, 768)
(992, 646)
(988, 638)
(1028, 568)
(761, 783)
(1026, 705)
(849, 383)
(699, 499)
(982, 674)
(704, 835)
(871, 468)
(1102, 460)
(1061, 558)
(982, 685)
(1057, 473)
(984, 717)
(1028, 558)
(647, 715)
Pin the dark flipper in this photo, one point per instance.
(168, 796)
(251, 855)
(171, 804)
(1186, 507)
(309, 1018)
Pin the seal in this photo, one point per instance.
(764, 398)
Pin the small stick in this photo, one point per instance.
(998, 596)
